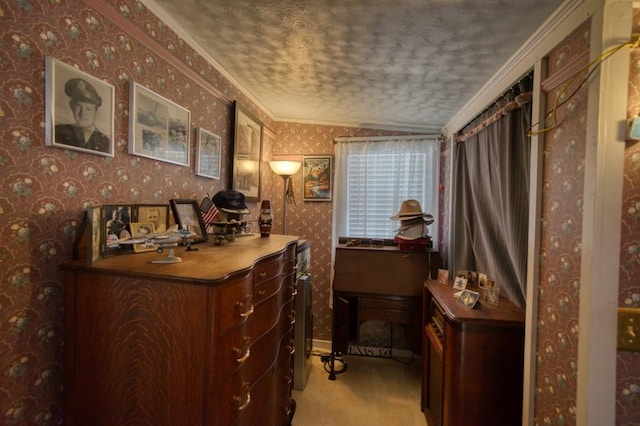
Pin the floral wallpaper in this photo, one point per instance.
(628, 365)
(563, 182)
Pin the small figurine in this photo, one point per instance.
(266, 219)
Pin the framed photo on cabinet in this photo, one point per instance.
(188, 216)
(316, 177)
(79, 110)
(246, 154)
(159, 129)
(208, 154)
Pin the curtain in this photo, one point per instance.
(490, 200)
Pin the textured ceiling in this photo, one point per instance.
(389, 63)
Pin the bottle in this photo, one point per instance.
(266, 220)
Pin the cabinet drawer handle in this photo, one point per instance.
(292, 317)
(292, 347)
(247, 399)
(240, 305)
(245, 349)
(261, 293)
(262, 275)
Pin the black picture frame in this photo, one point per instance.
(115, 224)
(187, 215)
(246, 154)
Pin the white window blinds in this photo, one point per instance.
(372, 178)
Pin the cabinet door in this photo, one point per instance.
(340, 324)
(434, 376)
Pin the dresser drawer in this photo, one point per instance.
(265, 271)
(235, 303)
(401, 311)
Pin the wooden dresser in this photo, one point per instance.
(473, 361)
(379, 283)
(208, 341)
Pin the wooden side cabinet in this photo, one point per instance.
(473, 361)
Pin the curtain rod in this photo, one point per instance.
(347, 139)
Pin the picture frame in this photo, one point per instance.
(139, 229)
(443, 276)
(156, 214)
(317, 171)
(460, 283)
(492, 296)
(159, 129)
(115, 224)
(468, 298)
(94, 234)
(246, 154)
(77, 103)
(187, 216)
(208, 154)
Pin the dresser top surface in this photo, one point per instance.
(206, 261)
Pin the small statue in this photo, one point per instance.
(266, 220)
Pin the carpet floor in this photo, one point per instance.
(372, 391)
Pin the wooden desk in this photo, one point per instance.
(379, 283)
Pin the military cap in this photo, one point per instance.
(80, 90)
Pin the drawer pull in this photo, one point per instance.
(292, 317)
(245, 349)
(261, 293)
(247, 399)
(262, 275)
(292, 348)
(240, 305)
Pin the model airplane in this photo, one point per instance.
(168, 239)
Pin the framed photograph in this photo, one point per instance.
(187, 216)
(316, 177)
(208, 154)
(115, 224)
(246, 154)
(155, 214)
(140, 229)
(158, 129)
(460, 283)
(94, 233)
(468, 298)
(492, 296)
(482, 280)
(79, 110)
(443, 276)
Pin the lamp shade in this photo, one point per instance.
(285, 168)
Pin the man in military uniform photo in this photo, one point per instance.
(84, 102)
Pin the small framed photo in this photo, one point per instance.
(79, 111)
(468, 298)
(482, 280)
(155, 214)
(187, 216)
(460, 283)
(316, 177)
(208, 154)
(443, 276)
(159, 129)
(473, 278)
(142, 229)
(492, 296)
(115, 224)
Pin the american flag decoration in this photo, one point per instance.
(208, 209)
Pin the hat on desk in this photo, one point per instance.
(230, 201)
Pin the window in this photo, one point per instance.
(372, 178)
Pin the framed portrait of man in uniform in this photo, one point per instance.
(79, 110)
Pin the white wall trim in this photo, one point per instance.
(599, 274)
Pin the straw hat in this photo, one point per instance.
(411, 209)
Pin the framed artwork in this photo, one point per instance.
(468, 298)
(460, 283)
(247, 153)
(140, 229)
(158, 129)
(316, 177)
(208, 154)
(155, 214)
(443, 276)
(187, 216)
(115, 224)
(79, 112)
(492, 296)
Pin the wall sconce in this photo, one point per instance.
(286, 169)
